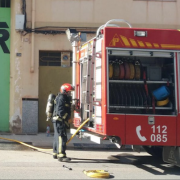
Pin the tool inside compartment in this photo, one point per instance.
(141, 85)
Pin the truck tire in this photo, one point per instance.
(154, 150)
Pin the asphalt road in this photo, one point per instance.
(32, 164)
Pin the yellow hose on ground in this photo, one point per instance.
(90, 173)
(41, 149)
(97, 173)
(33, 147)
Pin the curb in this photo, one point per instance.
(70, 146)
(41, 141)
(14, 146)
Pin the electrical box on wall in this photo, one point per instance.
(20, 18)
(65, 59)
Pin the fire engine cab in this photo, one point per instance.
(127, 82)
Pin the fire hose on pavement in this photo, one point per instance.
(90, 173)
(41, 149)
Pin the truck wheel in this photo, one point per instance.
(154, 150)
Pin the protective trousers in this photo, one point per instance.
(60, 139)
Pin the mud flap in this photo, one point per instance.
(171, 154)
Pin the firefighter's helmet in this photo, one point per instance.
(66, 88)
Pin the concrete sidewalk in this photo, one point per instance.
(42, 141)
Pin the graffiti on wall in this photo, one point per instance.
(4, 36)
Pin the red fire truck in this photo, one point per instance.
(127, 83)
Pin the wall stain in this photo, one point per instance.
(16, 126)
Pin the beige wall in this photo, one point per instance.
(87, 13)
(16, 88)
(72, 13)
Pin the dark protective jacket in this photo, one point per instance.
(62, 106)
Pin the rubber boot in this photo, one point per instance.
(54, 155)
(64, 159)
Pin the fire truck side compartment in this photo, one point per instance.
(124, 105)
(133, 93)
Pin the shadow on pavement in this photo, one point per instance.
(148, 163)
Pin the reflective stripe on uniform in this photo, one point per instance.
(61, 155)
(57, 118)
(64, 117)
(67, 105)
(66, 123)
(60, 144)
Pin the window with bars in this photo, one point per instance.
(5, 3)
(49, 58)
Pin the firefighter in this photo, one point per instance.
(61, 121)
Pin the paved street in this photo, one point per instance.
(30, 164)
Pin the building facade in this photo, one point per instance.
(33, 45)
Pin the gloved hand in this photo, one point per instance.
(70, 121)
(48, 118)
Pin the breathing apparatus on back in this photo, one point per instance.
(50, 106)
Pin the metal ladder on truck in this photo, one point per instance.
(87, 84)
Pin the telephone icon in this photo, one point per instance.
(142, 138)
